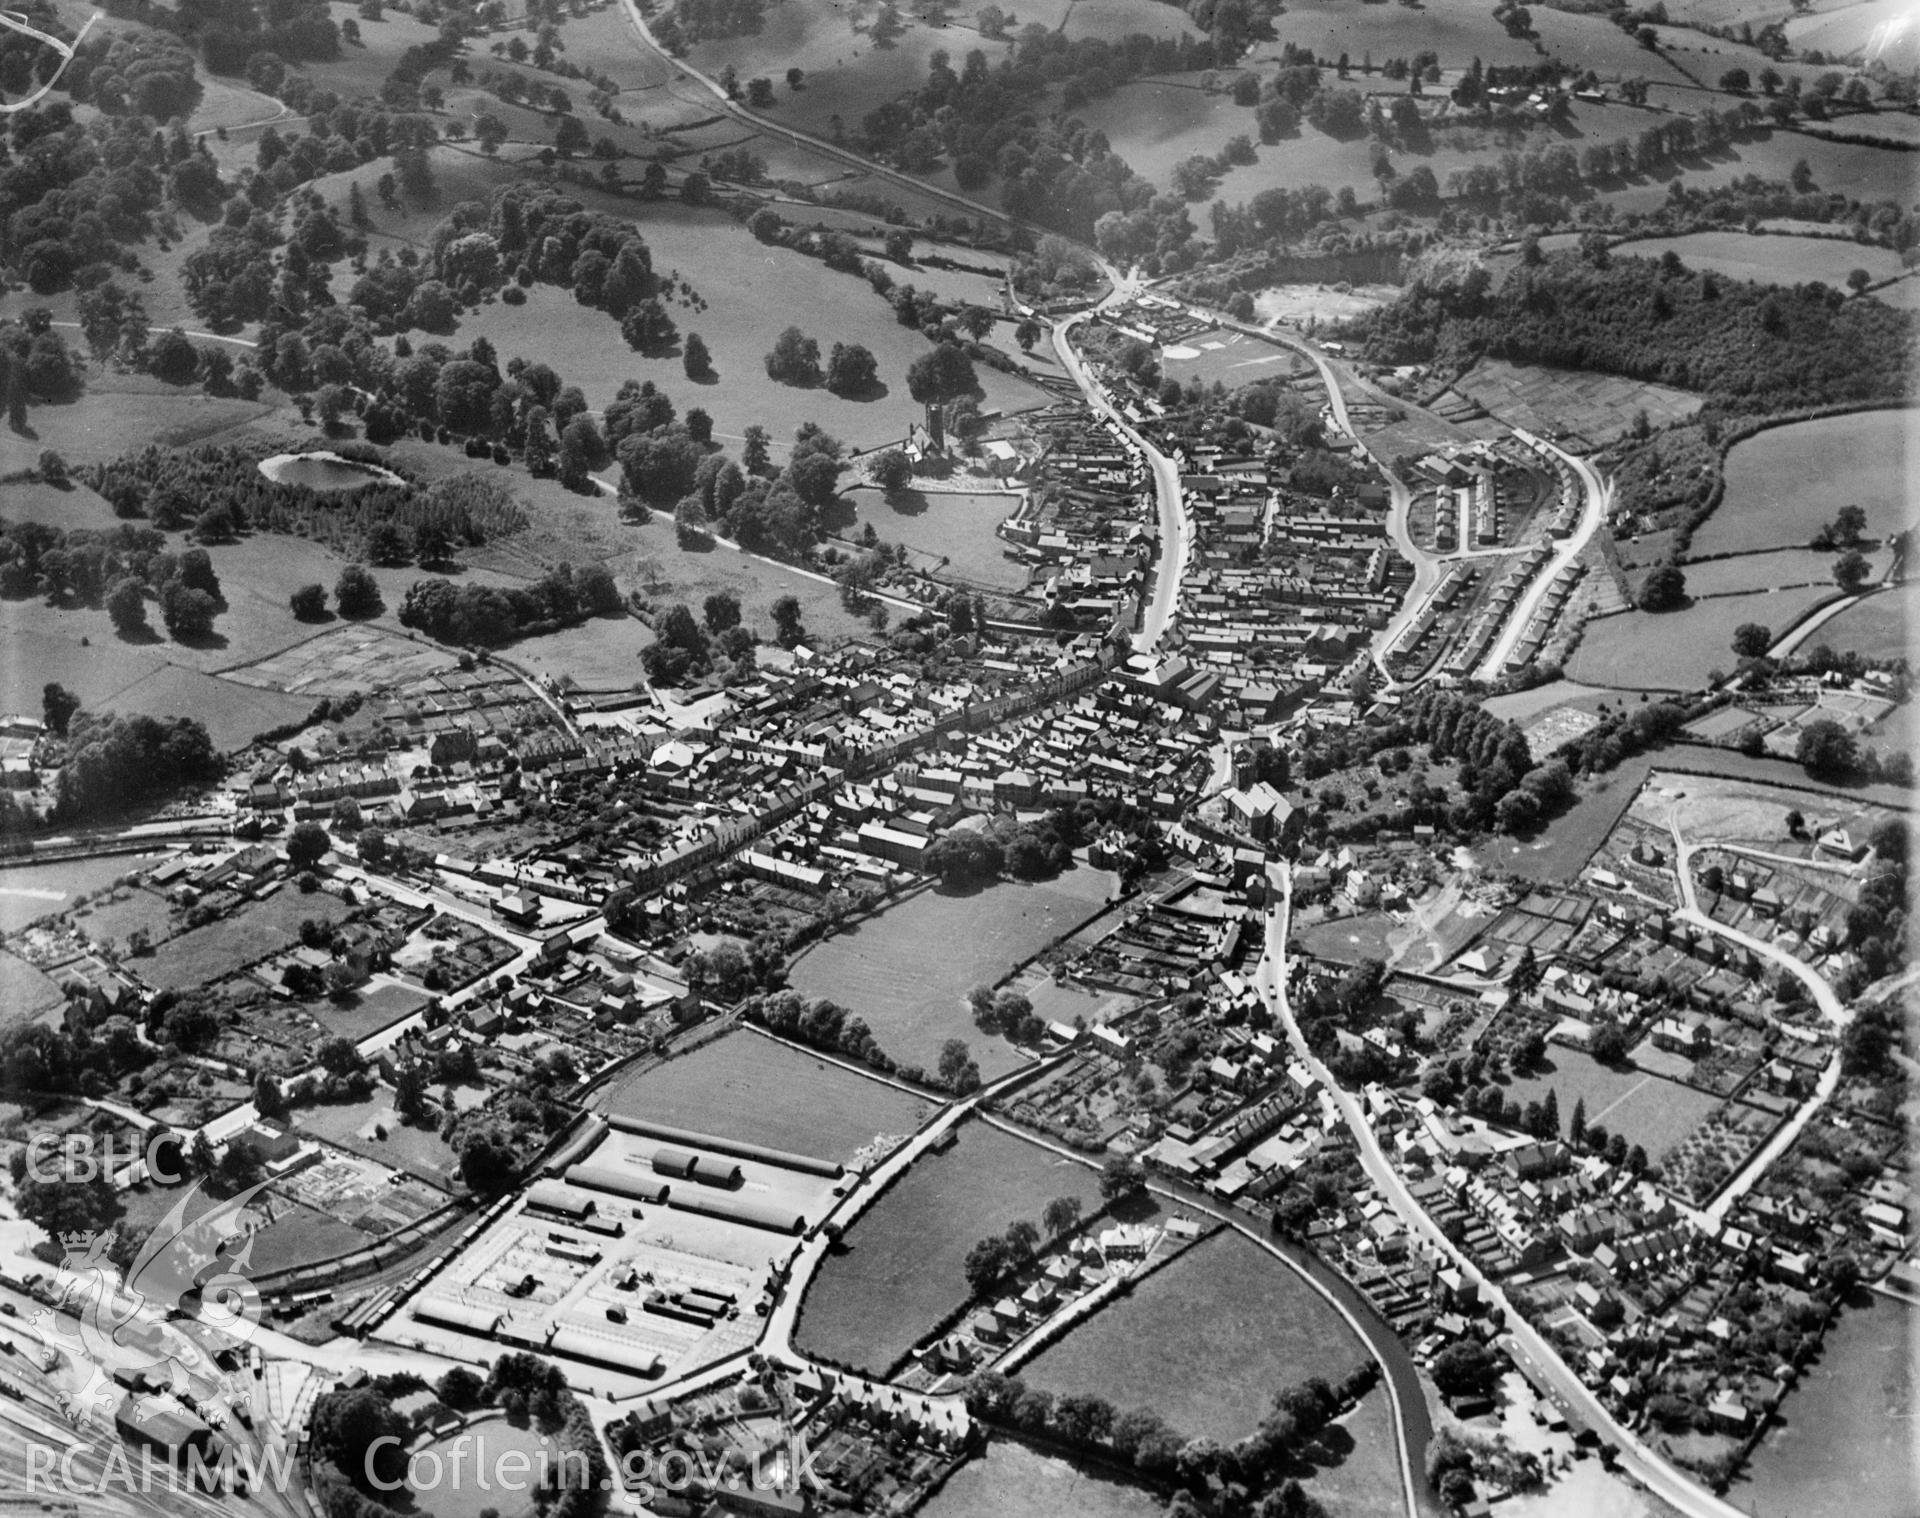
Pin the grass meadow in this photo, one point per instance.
(907, 971)
(1880, 627)
(753, 1090)
(1678, 650)
(949, 531)
(259, 928)
(900, 1267)
(1013, 1480)
(1782, 484)
(1205, 1341)
(1771, 260)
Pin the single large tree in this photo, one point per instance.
(936, 380)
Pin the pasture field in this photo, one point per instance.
(1207, 1340)
(847, 75)
(1848, 30)
(900, 1267)
(756, 292)
(907, 971)
(1782, 484)
(1880, 627)
(25, 990)
(751, 1089)
(114, 409)
(1559, 853)
(949, 531)
(1866, 173)
(1366, 1480)
(1655, 1113)
(1902, 294)
(1555, 401)
(1771, 260)
(1842, 1444)
(257, 929)
(1013, 1480)
(986, 290)
(1677, 650)
(1775, 569)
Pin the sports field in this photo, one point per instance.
(1205, 1341)
(902, 1265)
(1655, 1113)
(753, 1090)
(907, 971)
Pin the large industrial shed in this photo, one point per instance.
(468, 1317)
(609, 1354)
(638, 1188)
(686, 1138)
(684, 1165)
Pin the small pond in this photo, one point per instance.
(324, 471)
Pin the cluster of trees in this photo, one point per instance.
(116, 568)
(999, 1257)
(360, 1439)
(488, 615)
(684, 646)
(218, 491)
(1008, 1012)
(990, 121)
(1264, 1463)
(1749, 347)
(823, 1024)
(36, 367)
(113, 763)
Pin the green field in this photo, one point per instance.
(1678, 650)
(473, 1481)
(1784, 483)
(1205, 1341)
(950, 532)
(901, 1266)
(750, 1089)
(755, 292)
(1013, 1480)
(1775, 569)
(907, 971)
(257, 929)
(1880, 627)
(1771, 260)
(32, 891)
(349, 1125)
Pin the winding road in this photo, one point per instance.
(1641, 1462)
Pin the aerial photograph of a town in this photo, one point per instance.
(1072, 759)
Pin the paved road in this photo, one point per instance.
(1596, 491)
(1176, 536)
(1641, 1462)
(1831, 1007)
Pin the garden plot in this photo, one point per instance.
(1658, 1114)
(352, 657)
(1595, 407)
